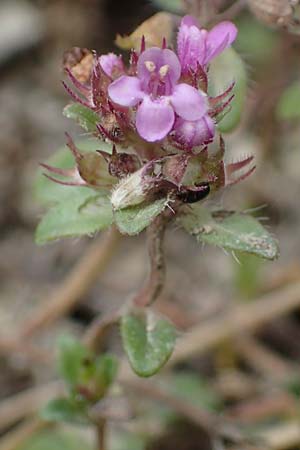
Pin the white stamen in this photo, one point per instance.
(164, 70)
(150, 66)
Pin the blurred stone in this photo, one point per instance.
(21, 28)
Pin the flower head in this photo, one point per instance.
(157, 94)
(196, 45)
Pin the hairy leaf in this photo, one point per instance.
(83, 214)
(231, 231)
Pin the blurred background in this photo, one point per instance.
(248, 369)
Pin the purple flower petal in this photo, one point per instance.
(109, 62)
(126, 91)
(219, 38)
(194, 133)
(159, 57)
(189, 103)
(154, 119)
(191, 46)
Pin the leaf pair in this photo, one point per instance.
(88, 378)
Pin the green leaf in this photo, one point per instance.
(64, 410)
(84, 116)
(46, 191)
(71, 356)
(232, 231)
(225, 69)
(289, 103)
(134, 219)
(83, 213)
(106, 367)
(148, 342)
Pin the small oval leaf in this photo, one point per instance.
(232, 231)
(148, 342)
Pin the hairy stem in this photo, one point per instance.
(153, 287)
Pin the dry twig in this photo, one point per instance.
(72, 289)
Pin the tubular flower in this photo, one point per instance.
(158, 95)
(194, 133)
(196, 45)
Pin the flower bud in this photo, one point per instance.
(112, 65)
(194, 133)
(135, 188)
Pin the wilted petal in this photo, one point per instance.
(126, 91)
(190, 44)
(154, 119)
(159, 57)
(188, 102)
(219, 38)
(111, 62)
(194, 133)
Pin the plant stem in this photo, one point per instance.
(100, 429)
(155, 283)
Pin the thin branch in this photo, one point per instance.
(237, 320)
(27, 402)
(95, 333)
(152, 289)
(16, 438)
(210, 422)
(264, 360)
(78, 282)
(17, 346)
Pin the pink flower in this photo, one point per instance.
(196, 45)
(111, 63)
(194, 133)
(158, 96)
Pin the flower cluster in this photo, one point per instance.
(158, 116)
